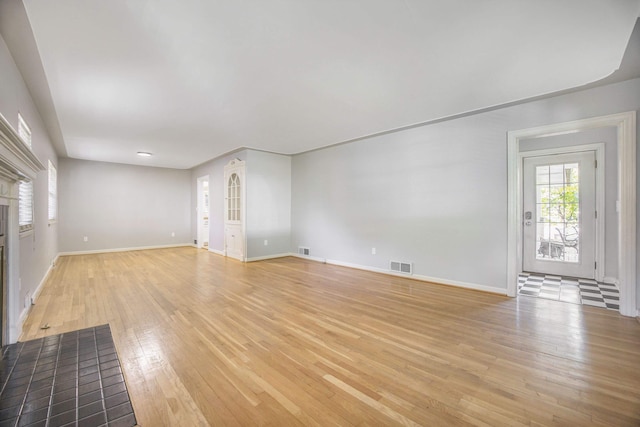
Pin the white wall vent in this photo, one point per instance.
(401, 267)
(304, 251)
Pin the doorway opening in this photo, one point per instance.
(202, 212)
(624, 205)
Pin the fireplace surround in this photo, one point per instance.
(17, 163)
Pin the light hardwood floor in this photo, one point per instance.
(205, 340)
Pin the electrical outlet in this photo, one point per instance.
(266, 242)
(373, 251)
(86, 238)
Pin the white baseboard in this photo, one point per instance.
(217, 252)
(434, 280)
(36, 294)
(22, 318)
(610, 280)
(262, 258)
(310, 258)
(137, 248)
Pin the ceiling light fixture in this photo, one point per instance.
(144, 154)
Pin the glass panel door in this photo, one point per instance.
(558, 211)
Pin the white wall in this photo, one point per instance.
(122, 206)
(268, 204)
(39, 248)
(434, 195)
(608, 136)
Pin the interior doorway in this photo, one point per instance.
(202, 211)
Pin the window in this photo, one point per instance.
(25, 189)
(53, 193)
(23, 131)
(233, 198)
(25, 206)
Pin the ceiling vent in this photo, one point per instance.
(401, 267)
(303, 251)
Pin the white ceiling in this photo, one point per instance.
(191, 80)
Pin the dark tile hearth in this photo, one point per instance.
(71, 379)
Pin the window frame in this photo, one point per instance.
(25, 228)
(52, 187)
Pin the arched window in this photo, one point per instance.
(233, 198)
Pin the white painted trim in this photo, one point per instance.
(421, 278)
(137, 248)
(262, 258)
(217, 252)
(599, 149)
(309, 257)
(199, 207)
(610, 280)
(14, 324)
(36, 293)
(23, 316)
(26, 310)
(626, 148)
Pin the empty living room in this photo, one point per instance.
(416, 213)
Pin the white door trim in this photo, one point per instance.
(625, 123)
(599, 149)
(199, 209)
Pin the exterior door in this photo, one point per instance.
(234, 209)
(559, 224)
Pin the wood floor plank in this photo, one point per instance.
(206, 340)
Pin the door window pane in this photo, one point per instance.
(558, 212)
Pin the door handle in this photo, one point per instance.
(527, 223)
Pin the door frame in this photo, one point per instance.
(625, 124)
(599, 149)
(199, 209)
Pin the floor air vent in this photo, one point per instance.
(401, 267)
(303, 251)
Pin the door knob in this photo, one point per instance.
(527, 223)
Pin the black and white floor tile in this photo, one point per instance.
(569, 289)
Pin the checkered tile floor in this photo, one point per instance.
(569, 289)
